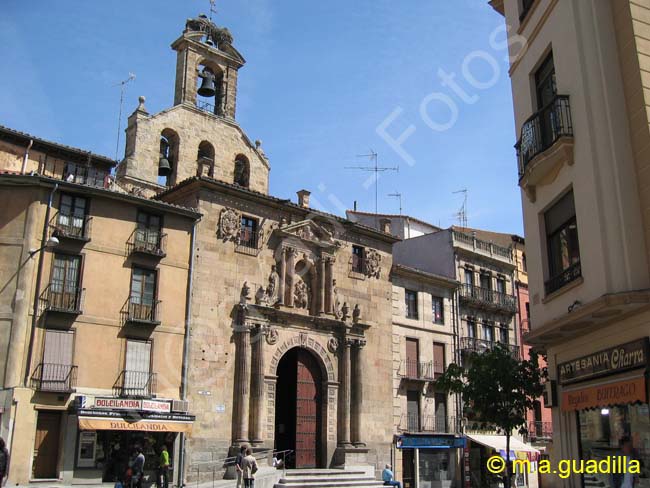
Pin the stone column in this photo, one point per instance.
(257, 387)
(283, 276)
(357, 392)
(344, 395)
(321, 272)
(291, 264)
(242, 382)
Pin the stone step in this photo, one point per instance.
(326, 479)
(322, 472)
(367, 483)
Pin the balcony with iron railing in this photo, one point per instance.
(488, 298)
(150, 242)
(562, 279)
(416, 370)
(249, 243)
(135, 384)
(539, 431)
(81, 174)
(546, 142)
(136, 311)
(60, 297)
(428, 423)
(58, 378)
(71, 227)
(479, 246)
(472, 344)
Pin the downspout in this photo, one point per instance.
(26, 157)
(186, 351)
(37, 289)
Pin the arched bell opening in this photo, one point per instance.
(205, 159)
(168, 157)
(242, 171)
(209, 89)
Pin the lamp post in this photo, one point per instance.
(51, 243)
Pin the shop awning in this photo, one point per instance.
(143, 425)
(498, 443)
(630, 390)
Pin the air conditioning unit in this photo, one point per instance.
(182, 406)
(550, 394)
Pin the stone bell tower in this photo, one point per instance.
(206, 67)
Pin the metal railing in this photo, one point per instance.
(140, 384)
(71, 227)
(147, 241)
(60, 378)
(416, 370)
(573, 272)
(60, 297)
(249, 243)
(488, 297)
(543, 129)
(136, 310)
(411, 422)
(205, 106)
(538, 430)
(473, 344)
(483, 246)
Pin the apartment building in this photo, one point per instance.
(579, 74)
(93, 298)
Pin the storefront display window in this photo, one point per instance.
(601, 432)
(436, 467)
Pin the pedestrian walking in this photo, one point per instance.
(238, 461)
(249, 468)
(163, 469)
(138, 468)
(4, 462)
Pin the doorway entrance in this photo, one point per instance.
(298, 409)
(46, 445)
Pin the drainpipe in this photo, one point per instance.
(37, 289)
(186, 351)
(24, 167)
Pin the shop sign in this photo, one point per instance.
(94, 423)
(609, 361)
(128, 404)
(618, 393)
(430, 442)
(134, 416)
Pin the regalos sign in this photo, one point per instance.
(627, 356)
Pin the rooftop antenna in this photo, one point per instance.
(375, 168)
(122, 85)
(461, 215)
(397, 195)
(213, 8)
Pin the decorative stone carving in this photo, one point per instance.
(336, 301)
(269, 296)
(373, 263)
(345, 312)
(244, 295)
(229, 225)
(301, 294)
(333, 345)
(356, 314)
(272, 336)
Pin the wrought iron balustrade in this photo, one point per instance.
(540, 430)
(61, 297)
(139, 311)
(472, 344)
(416, 370)
(59, 378)
(488, 297)
(147, 241)
(249, 243)
(570, 274)
(71, 227)
(135, 384)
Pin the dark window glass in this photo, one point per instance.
(248, 233)
(471, 328)
(65, 277)
(469, 277)
(503, 331)
(524, 264)
(486, 281)
(525, 8)
(488, 332)
(357, 259)
(437, 310)
(562, 240)
(411, 298)
(501, 285)
(148, 230)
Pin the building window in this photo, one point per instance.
(71, 219)
(147, 233)
(486, 280)
(526, 5)
(437, 310)
(503, 332)
(248, 232)
(64, 287)
(471, 328)
(137, 381)
(562, 244)
(469, 276)
(439, 362)
(84, 175)
(358, 254)
(56, 372)
(524, 263)
(501, 285)
(488, 332)
(411, 298)
(142, 303)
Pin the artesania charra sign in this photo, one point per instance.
(609, 361)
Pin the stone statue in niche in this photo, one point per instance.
(306, 233)
(272, 288)
(301, 294)
(345, 312)
(356, 314)
(244, 295)
(229, 225)
(336, 301)
(373, 263)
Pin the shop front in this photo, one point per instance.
(606, 392)
(111, 430)
(431, 461)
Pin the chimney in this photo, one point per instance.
(384, 225)
(303, 198)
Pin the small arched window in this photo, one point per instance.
(205, 159)
(168, 157)
(242, 171)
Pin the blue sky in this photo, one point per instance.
(320, 79)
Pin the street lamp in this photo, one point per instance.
(51, 242)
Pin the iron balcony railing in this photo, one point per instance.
(489, 298)
(543, 129)
(71, 227)
(483, 246)
(135, 384)
(540, 430)
(416, 370)
(249, 243)
(60, 378)
(136, 310)
(412, 422)
(573, 272)
(61, 297)
(147, 241)
(471, 344)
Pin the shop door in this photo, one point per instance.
(46, 445)
(307, 401)
(408, 468)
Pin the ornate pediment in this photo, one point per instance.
(309, 232)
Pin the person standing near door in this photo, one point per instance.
(138, 468)
(249, 468)
(4, 462)
(163, 474)
(238, 461)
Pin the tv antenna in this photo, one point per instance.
(397, 195)
(461, 215)
(375, 168)
(213, 8)
(122, 85)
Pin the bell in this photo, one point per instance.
(208, 40)
(164, 168)
(207, 88)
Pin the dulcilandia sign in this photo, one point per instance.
(609, 361)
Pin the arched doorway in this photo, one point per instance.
(298, 408)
